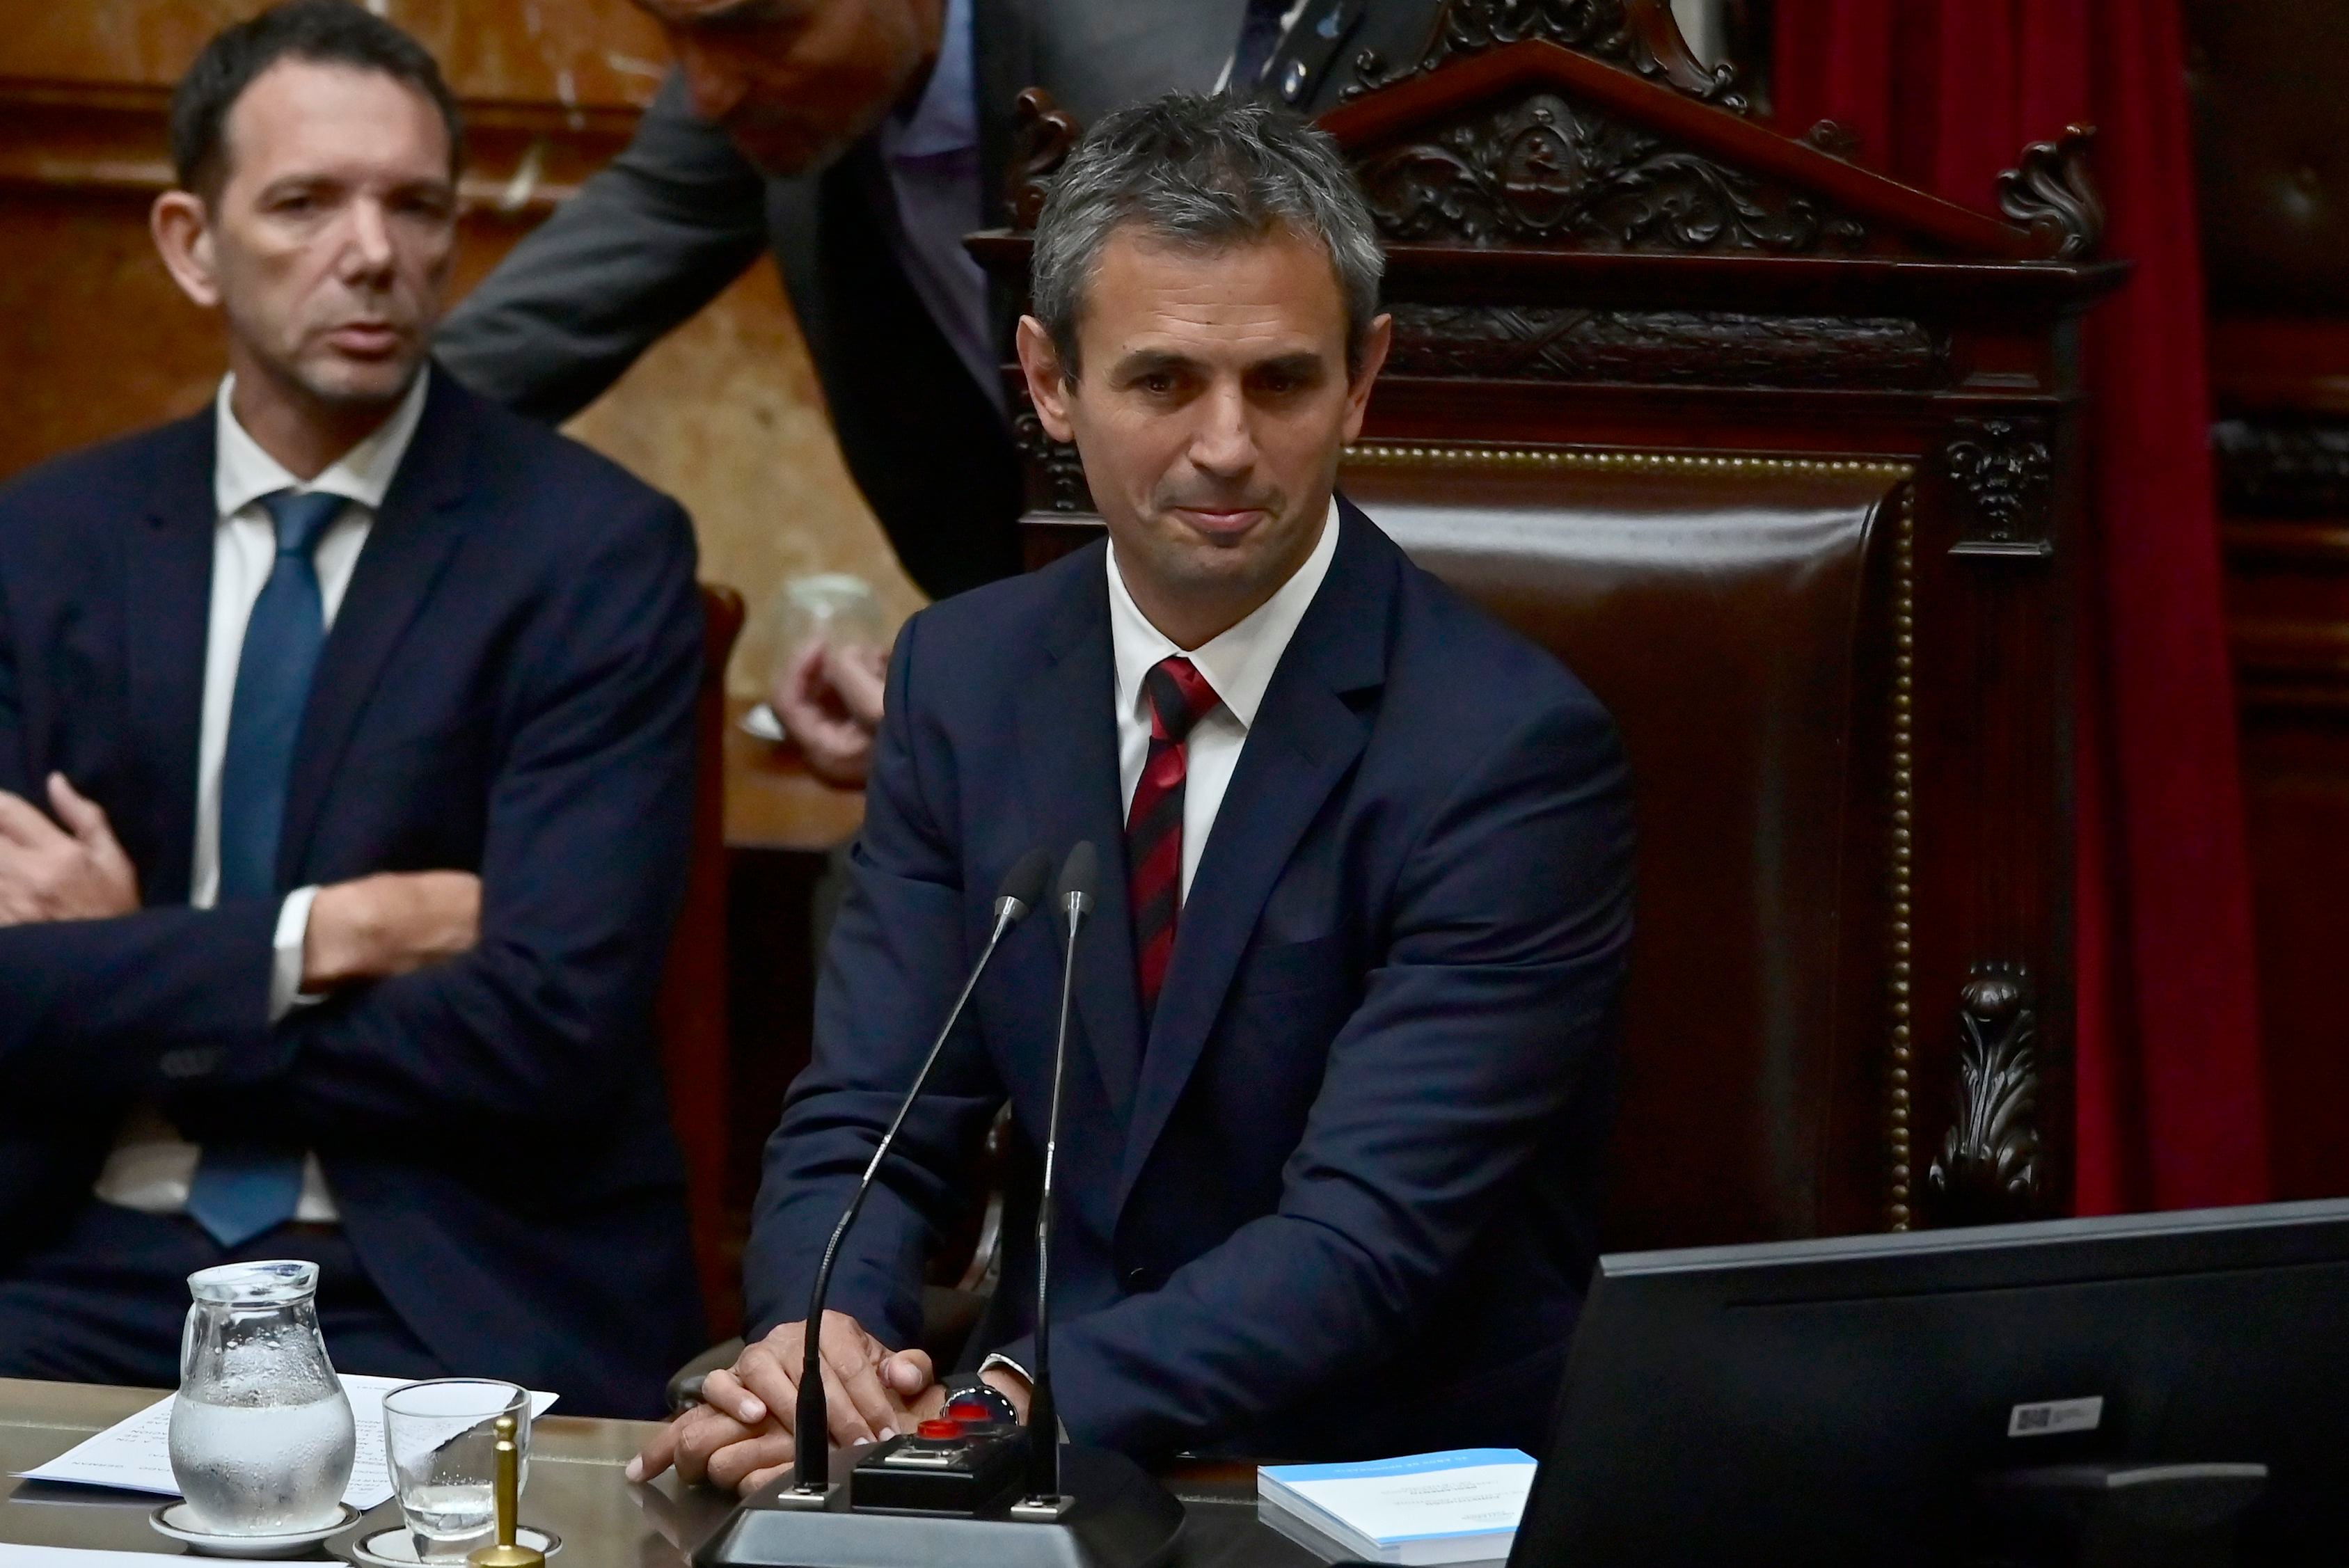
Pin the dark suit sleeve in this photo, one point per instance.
(589, 824)
(899, 950)
(645, 244)
(1490, 1009)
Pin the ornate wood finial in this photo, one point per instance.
(1641, 35)
(1988, 1170)
(2050, 194)
(1042, 135)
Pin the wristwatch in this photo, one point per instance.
(966, 1392)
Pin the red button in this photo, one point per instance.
(939, 1427)
(971, 1411)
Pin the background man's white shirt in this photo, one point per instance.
(151, 1165)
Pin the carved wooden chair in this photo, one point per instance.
(1779, 455)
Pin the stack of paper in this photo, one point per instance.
(135, 1455)
(1456, 1506)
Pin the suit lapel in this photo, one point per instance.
(1304, 741)
(167, 623)
(1068, 748)
(406, 550)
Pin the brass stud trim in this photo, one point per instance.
(1903, 716)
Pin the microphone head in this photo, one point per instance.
(1022, 888)
(1075, 894)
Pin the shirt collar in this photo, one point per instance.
(1239, 663)
(243, 473)
(945, 121)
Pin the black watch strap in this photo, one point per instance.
(973, 1390)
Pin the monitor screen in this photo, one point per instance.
(1844, 1400)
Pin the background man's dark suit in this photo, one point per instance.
(1344, 1199)
(508, 689)
(681, 214)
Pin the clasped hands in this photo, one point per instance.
(740, 1436)
(370, 928)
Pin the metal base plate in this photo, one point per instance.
(1121, 1519)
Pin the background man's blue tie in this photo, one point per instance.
(242, 1188)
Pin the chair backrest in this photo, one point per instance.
(1781, 457)
(1731, 618)
(690, 1016)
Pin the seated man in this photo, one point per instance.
(364, 710)
(1341, 1066)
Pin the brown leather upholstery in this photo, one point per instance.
(691, 1013)
(1719, 611)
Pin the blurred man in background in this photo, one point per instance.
(363, 713)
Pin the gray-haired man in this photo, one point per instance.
(1329, 1159)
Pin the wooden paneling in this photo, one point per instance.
(725, 414)
(2273, 187)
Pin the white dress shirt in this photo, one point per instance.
(1237, 663)
(151, 1165)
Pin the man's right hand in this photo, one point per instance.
(743, 1430)
(391, 923)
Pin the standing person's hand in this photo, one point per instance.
(830, 703)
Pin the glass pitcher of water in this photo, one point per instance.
(262, 1435)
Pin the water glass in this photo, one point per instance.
(442, 1438)
(837, 609)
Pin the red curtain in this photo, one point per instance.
(1943, 94)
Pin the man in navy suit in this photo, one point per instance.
(1342, 1059)
(364, 709)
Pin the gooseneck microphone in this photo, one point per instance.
(1021, 890)
(1072, 901)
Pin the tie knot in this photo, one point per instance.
(300, 517)
(1179, 698)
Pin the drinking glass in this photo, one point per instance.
(262, 1437)
(442, 1438)
(837, 609)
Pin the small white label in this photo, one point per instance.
(2050, 1417)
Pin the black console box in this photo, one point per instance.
(980, 1472)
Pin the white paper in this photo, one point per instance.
(1423, 1498)
(14, 1556)
(135, 1455)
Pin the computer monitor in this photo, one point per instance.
(1838, 1401)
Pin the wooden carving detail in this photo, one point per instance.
(1716, 348)
(1042, 135)
(1055, 462)
(2005, 478)
(2294, 469)
(2050, 194)
(1988, 1170)
(1546, 170)
(1638, 35)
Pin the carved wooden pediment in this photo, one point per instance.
(1585, 125)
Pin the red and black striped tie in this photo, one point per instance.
(1179, 697)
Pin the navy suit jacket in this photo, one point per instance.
(508, 689)
(1341, 1200)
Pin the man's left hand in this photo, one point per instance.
(75, 872)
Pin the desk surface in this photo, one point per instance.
(576, 1489)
